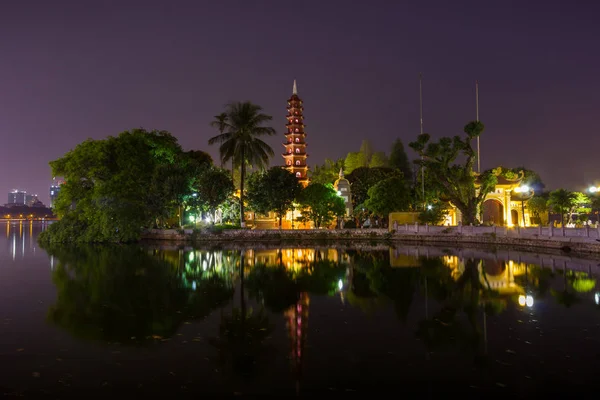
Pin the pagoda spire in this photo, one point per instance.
(295, 138)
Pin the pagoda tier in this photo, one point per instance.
(295, 154)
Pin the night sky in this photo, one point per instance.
(72, 70)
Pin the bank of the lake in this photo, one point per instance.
(514, 238)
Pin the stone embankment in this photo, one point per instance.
(581, 240)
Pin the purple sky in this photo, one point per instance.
(72, 70)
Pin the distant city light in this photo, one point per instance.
(594, 189)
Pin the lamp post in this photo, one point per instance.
(523, 193)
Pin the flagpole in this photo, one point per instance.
(477, 112)
(421, 122)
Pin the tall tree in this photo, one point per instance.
(562, 201)
(213, 188)
(273, 190)
(353, 161)
(362, 179)
(220, 122)
(378, 159)
(456, 181)
(111, 189)
(538, 207)
(240, 140)
(328, 172)
(320, 204)
(388, 196)
(399, 159)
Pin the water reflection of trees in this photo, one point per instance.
(124, 294)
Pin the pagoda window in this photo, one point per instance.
(297, 150)
(296, 120)
(289, 162)
(297, 140)
(297, 130)
(290, 140)
(290, 151)
(297, 162)
(298, 175)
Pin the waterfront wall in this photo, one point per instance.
(570, 239)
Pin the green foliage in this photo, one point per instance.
(124, 294)
(399, 160)
(388, 195)
(362, 179)
(434, 214)
(379, 159)
(117, 186)
(273, 190)
(212, 188)
(561, 202)
(538, 206)
(456, 181)
(320, 204)
(364, 158)
(353, 161)
(328, 172)
(239, 140)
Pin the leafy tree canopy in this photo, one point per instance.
(320, 204)
(399, 160)
(388, 196)
(362, 179)
(456, 180)
(117, 186)
(328, 172)
(273, 190)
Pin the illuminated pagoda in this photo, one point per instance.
(295, 139)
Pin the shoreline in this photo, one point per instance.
(514, 240)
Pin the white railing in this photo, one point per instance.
(515, 231)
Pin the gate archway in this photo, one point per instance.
(493, 212)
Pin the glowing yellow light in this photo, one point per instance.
(522, 300)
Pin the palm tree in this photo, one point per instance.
(239, 140)
(220, 123)
(562, 201)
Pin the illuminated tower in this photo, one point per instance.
(295, 143)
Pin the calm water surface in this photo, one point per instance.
(180, 322)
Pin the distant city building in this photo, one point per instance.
(17, 197)
(30, 199)
(54, 190)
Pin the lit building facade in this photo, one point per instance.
(295, 139)
(17, 197)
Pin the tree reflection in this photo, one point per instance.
(465, 295)
(123, 294)
(242, 335)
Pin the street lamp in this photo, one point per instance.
(523, 193)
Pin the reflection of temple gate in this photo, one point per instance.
(493, 212)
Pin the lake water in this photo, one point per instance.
(306, 320)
